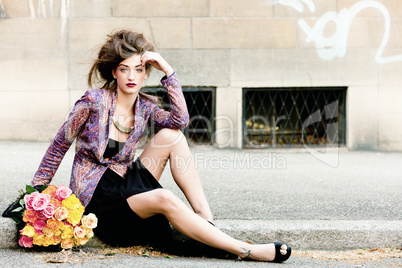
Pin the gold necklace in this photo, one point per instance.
(121, 127)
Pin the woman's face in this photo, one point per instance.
(130, 75)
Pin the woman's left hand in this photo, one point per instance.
(156, 60)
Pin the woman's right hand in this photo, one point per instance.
(157, 61)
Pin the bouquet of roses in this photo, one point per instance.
(54, 216)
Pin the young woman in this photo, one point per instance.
(122, 191)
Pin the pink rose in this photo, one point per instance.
(25, 241)
(39, 225)
(60, 213)
(63, 192)
(40, 201)
(90, 221)
(28, 199)
(79, 232)
(48, 211)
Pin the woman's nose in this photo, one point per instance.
(131, 75)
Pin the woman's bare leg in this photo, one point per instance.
(162, 201)
(171, 144)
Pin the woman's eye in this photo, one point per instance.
(123, 69)
(139, 70)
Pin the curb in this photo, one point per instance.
(301, 235)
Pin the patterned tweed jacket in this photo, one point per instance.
(88, 124)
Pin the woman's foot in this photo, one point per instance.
(276, 252)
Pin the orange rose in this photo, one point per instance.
(67, 243)
(55, 202)
(52, 224)
(50, 190)
(30, 216)
(57, 239)
(81, 241)
(48, 231)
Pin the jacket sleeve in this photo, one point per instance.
(178, 116)
(63, 140)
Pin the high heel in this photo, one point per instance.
(278, 255)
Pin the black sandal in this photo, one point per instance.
(278, 255)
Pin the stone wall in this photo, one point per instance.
(46, 48)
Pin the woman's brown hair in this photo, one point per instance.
(119, 46)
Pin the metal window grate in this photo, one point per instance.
(293, 117)
(201, 107)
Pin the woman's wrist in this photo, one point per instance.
(169, 71)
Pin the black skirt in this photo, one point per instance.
(118, 225)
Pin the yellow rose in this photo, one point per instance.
(39, 240)
(48, 241)
(71, 202)
(74, 217)
(81, 209)
(67, 243)
(68, 232)
(28, 230)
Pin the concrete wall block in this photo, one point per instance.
(241, 8)
(228, 117)
(362, 118)
(390, 73)
(30, 131)
(38, 38)
(244, 33)
(390, 127)
(297, 9)
(370, 10)
(378, 34)
(171, 33)
(12, 106)
(196, 67)
(80, 63)
(74, 96)
(90, 8)
(46, 105)
(160, 8)
(303, 67)
(34, 75)
(16, 10)
(391, 146)
(32, 8)
(357, 36)
(33, 106)
(390, 100)
(92, 33)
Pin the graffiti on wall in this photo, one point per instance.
(336, 45)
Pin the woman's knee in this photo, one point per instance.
(168, 200)
(169, 137)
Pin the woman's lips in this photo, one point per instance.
(131, 84)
